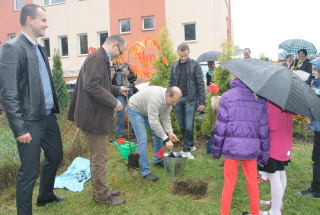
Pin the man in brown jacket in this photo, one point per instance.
(92, 109)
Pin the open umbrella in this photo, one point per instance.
(283, 55)
(277, 84)
(294, 45)
(209, 56)
(302, 74)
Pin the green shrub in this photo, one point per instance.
(58, 81)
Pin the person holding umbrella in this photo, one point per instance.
(241, 134)
(314, 190)
(210, 75)
(302, 63)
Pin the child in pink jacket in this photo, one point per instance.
(280, 123)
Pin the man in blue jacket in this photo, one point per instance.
(187, 74)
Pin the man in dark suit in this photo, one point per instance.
(29, 100)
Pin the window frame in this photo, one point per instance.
(60, 45)
(99, 37)
(43, 43)
(120, 26)
(195, 31)
(10, 36)
(143, 24)
(50, 2)
(79, 44)
(15, 5)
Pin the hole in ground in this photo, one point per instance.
(195, 188)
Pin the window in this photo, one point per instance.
(190, 32)
(125, 26)
(50, 2)
(102, 37)
(11, 36)
(64, 46)
(46, 44)
(18, 4)
(83, 44)
(148, 23)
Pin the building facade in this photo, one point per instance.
(77, 25)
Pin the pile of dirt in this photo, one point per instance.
(195, 188)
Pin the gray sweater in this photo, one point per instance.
(151, 102)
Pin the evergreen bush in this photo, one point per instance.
(58, 81)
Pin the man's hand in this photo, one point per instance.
(172, 137)
(119, 106)
(169, 145)
(201, 107)
(124, 90)
(26, 138)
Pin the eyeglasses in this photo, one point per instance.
(121, 53)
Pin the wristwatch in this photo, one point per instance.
(166, 140)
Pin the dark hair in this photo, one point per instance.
(247, 49)
(304, 51)
(116, 38)
(29, 10)
(183, 47)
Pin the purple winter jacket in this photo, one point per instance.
(242, 131)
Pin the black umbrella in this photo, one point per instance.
(277, 84)
(209, 56)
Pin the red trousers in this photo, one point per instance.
(249, 168)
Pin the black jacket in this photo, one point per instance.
(20, 83)
(195, 85)
(306, 66)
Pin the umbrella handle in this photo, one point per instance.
(294, 67)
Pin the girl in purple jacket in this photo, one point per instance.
(241, 134)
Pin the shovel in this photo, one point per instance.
(160, 153)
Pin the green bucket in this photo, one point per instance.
(124, 149)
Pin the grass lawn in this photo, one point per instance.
(145, 197)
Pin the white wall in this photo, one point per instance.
(210, 18)
(72, 18)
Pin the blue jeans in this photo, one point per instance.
(120, 116)
(185, 113)
(139, 123)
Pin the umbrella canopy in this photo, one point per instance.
(283, 55)
(294, 45)
(302, 74)
(277, 84)
(209, 56)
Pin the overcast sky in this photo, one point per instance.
(261, 25)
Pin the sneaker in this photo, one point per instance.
(310, 193)
(269, 204)
(151, 177)
(188, 155)
(193, 148)
(245, 213)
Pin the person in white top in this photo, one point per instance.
(151, 108)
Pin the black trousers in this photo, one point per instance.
(315, 184)
(45, 134)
